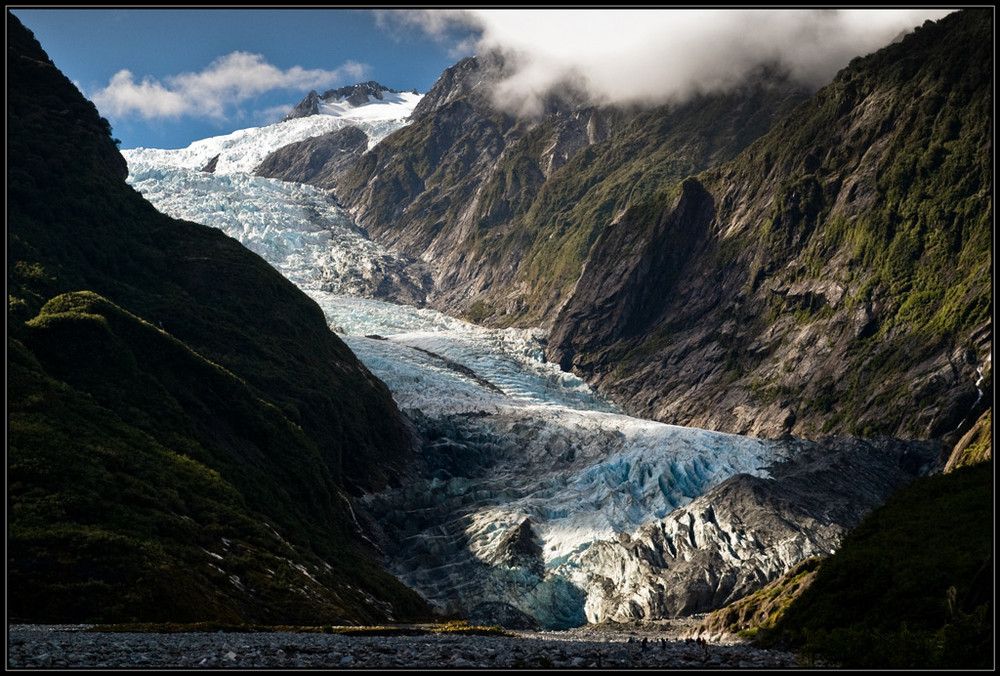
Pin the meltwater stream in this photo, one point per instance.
(525, 468)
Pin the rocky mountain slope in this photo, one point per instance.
(185, 432)
(831, 278)
(506, 208)
(835, 278)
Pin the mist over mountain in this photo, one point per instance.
(766, 296)
(613, 57)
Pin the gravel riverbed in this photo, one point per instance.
(71, 646)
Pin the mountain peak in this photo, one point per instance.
(357, 94)
(304, 108)
(343, 101)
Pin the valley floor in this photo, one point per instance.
(67, 647)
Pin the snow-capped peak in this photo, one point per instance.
(242, 151)
(392, 106)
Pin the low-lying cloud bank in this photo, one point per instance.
(661, 55)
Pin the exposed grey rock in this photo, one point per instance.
(749, 530)
(304, 108)
(317, 161)
(358, 94)
(471, 74)
(355, 95)
(210, 166)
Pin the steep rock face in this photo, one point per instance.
(358, 94)
(304, 108)
(506, 208)
(317, 161)
(839, 280)
(185, 430)
(610, 309)
(471, 75)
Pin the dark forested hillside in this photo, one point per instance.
(184, 431)
(911, 587)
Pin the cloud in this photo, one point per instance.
(455, 29)
(659, 55)
(225, 83)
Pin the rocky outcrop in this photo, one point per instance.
(354, 95)
(471, 76)
(357, 94)
(210, 166)
(304, 108)
(975, 446)
(317, 161)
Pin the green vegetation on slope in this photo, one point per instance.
(184, 428)
(503, 203)
(850, 253)
(652, 154)
(910, 587)
(917, 236)
(925, 240)
(760, 611)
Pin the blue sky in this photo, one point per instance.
(337, 47)
(167, 77)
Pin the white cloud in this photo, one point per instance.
(448, 27)
(667, 54)
(225, 83)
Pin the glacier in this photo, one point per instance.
(242, 151)
(531, 486)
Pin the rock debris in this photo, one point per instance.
(70, 647)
